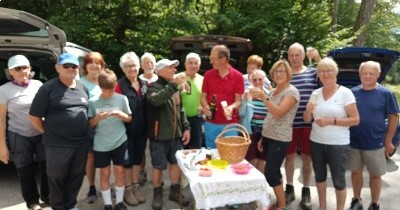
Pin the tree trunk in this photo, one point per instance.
(363, 19)
(335, 8)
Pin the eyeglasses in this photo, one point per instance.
(69, 65)
(257, 79)
(20, 68)
(329, 71)
(279, 72)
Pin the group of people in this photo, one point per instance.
(71, 127)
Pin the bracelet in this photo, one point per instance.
(334, 121)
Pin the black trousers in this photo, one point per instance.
(65, 172)
(27, 178)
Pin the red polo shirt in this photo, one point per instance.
(225, 89)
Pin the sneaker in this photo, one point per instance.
(356, 204)
(142, 177)
(35, 206)
(289, 194)
(108, 207)
(120, 206)
(91, 195)
(305, 202)
(373, 206)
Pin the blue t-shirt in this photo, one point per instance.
(110, 132)
(373, 106)
(94, 89)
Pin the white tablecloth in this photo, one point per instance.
(225, 187)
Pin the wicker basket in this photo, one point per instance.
(233, 148)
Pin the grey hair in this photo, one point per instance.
(258, 72)
(193, 55)
(297, 45)
(148, 55)
(327, 63)
(373, 64)
(129, 57)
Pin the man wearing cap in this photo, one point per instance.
(25, 142)
(222, 83)
(59, 111)
(168, 129)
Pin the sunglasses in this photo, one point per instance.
(69, 65)
(20, 68)
(257, 79)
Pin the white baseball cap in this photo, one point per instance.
(164, 63)
(18, 60)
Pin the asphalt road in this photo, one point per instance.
(10, 197)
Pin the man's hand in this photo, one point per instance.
(389, 149)
(186, 137)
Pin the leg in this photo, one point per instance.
(90, 174)
(375, 183)
(357, 183)
(128, 176)
(321, 188)
(174, 173)
(340, 199)
(289, 168)
(105, 178)
(280, 196)
(119, 183)
(29, 189)
(44, 184)
(156, 177)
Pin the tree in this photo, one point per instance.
(363, 20)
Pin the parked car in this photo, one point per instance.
(40, 41)
(349, 60)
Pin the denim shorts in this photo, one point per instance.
(163, 152)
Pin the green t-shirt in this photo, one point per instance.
(191, 102)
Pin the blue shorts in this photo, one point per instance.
(212, 130)
(118, 156)
(163, 152)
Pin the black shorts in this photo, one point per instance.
(118, 156)
(136, 150)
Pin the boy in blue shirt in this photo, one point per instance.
(107, 113)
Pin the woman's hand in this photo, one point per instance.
(322, 122)
(259, 145)
(4, 154)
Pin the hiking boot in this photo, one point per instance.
(174, 195)
(120, 206)
(129, 197)
(137, 192)
(356, 204)
(373, 206)
(142, 177)
(108, 207)
(91, 195)
(289, 194)
(305, 202)
(157, 198)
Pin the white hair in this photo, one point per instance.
(129, 57)
(375, 65)
(193, 55)
(148, 55)
(299, 46)
(258, 72)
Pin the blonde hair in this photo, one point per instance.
(284, 63)
(327, 63)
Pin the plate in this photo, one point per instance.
(241, 168)
(221, 164)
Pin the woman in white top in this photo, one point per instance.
(332, 108)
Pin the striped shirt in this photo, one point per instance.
(305, 82)
(259, 113)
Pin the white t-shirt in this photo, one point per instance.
(149, 81)
(334, 107)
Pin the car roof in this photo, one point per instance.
(349, 60)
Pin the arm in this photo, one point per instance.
(352, 118)
(159, 96)
(37, 123)
(204, 104)
(307, 115)
(4, 154)
(390, 132)
(278, 111)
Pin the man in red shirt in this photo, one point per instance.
(223, 83)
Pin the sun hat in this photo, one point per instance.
(18, 60)
(164, 63)
(68, 58)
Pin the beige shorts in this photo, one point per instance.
(374, 160)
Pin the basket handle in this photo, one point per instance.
(239, 128)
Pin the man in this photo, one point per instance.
(168, 129)
(305, 80)
(222, 83)
(371, 139)
(59, 111)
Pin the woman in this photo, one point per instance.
(191, 99)
(254, 62)
(25, 142)
(277, 127)
(93, 65)
(252, 113)
(332, 108)
(135, 90)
